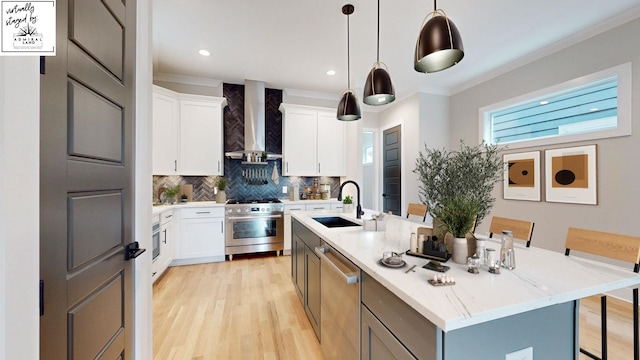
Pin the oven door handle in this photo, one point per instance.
(254, 217)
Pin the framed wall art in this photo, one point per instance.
(522, 176)
(571, 175)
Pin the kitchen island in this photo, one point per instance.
(482, 316)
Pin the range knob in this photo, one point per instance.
(239, 210)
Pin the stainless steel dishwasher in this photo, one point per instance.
(340, 305)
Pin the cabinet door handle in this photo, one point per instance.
(222, 227)
(175, 165)
(287, 166)
(203, 212)
(168, 216)
(218, 165)
(165, 236)
(318, 168)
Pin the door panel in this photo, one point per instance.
(95, 126)
(95, 227)
(392, 171)
(86, 182)
(97, 320)
(106, 44)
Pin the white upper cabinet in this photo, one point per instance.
(194, 145)
(313, 142)
(331, 145)
(166, 112)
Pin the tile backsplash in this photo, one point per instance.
(203, 186)
(237, 186)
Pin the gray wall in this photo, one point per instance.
(618, 170)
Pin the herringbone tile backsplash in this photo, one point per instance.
(238, 187)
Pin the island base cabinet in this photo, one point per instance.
(297, 265)
(312, 298)
(378, 343)
(412, 331)
(550, 331)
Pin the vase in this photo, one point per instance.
(221, 197)
(347, 208)
(460, 251)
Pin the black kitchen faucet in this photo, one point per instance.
(359, 211)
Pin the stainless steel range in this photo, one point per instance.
(254, 225)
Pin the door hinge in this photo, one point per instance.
(41, 297)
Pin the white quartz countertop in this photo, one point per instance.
(541, 278)
(193, 204)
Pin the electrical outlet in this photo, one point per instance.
(524, 354)
(284, 189)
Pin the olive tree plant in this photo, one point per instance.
(468, 173)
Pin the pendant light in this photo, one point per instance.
(348, 108)
(378, 90)
(439, 44)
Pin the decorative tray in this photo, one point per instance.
(442, 280)
(440, 257)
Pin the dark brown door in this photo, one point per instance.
(86, 182)
(391, 171)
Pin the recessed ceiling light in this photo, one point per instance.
(544, 102)
(204, 52)
(331, 72)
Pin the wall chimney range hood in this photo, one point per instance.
(254, 122)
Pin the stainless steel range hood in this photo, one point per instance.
(254, 121)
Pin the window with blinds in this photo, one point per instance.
(595, 106)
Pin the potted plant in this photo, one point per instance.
(458, 217)
(169, 194)
(469, 173)
(221, 184)
(347, 204)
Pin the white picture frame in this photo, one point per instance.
(522, 176)
(571, 175)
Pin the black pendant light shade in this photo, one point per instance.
(439, 44)
(348, 108)
(378, 90)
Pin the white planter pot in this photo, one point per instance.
(347, 208)
(221, 196)
(460, 251)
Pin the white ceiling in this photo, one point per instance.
(290, 44)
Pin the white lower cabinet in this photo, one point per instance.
(201, 236)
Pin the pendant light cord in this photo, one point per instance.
(348, 57)
(378, 44)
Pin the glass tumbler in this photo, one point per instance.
(507, 255)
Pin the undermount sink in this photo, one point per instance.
(335, 221)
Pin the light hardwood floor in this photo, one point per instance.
(243, 309)
(248, 309)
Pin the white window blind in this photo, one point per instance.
(594, 106)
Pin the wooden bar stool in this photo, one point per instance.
(522, 230)
(613, 246)
(417, 209)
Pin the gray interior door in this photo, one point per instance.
(391, 171)
(86, 182)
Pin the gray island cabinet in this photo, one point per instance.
(482, 316)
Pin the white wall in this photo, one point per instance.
(19, 207)
(434, 121)
(618, 170)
